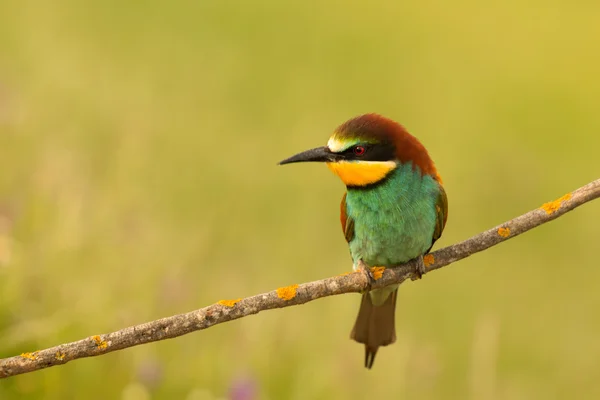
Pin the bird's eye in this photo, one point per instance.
(359, 150)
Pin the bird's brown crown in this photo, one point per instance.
(378, 130)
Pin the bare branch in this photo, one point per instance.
(227, 310)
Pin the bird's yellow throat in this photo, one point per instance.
(361, 173)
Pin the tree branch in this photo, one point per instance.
(227, 310)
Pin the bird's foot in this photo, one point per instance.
(362, 267)
(420, 269)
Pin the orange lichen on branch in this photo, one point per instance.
(229, 303)
(288, 292)
(347, 273)
(377, 272)
(59, 355)
(553, 206)
(428, 259)
(30, 356)
(504, 232)
(101, 344)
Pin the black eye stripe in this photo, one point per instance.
(373, 152)
(350, 150)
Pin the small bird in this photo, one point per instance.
(393, 211)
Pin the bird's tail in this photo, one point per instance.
(375, 325)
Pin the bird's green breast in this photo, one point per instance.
(394, 220)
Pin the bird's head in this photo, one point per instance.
(366, 149)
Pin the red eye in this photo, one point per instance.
(359, 150)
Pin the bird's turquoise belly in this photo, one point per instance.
(394, 221)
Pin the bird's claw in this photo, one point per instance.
(367, 271)
(420, 269)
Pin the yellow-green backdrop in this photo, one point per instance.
(138, 179)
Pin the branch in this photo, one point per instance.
(228, 310)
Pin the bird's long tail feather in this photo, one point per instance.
(375, 325)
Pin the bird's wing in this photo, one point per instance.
(441, 208)
(347, 222)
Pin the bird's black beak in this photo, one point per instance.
(319, 154)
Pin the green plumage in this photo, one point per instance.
(393, 221)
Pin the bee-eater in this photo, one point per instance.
(394, 209)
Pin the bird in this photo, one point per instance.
(393, 210)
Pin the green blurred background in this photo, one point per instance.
(138, 179)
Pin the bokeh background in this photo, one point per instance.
(138, 179)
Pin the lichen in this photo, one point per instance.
(553, 206)
(504, 232)
(101, 344)
(30, 356)
(428, 259)
(59, 355)
(229, 303)
(288, 292)
(377, 272)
